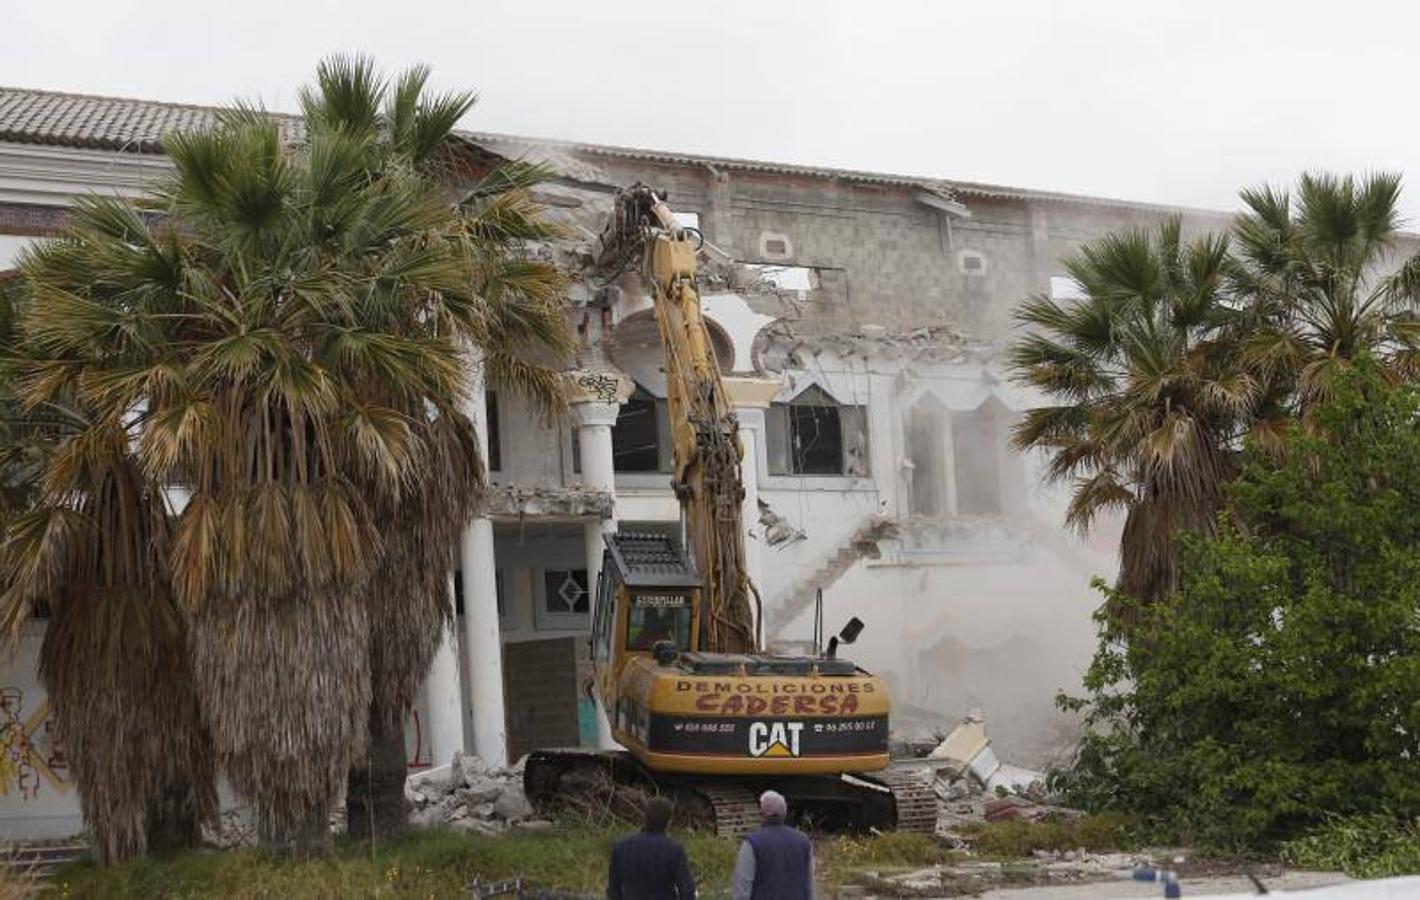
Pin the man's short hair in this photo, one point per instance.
(772, 805)
(658, 813)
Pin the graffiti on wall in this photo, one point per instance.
(30, 746)
(600, 385)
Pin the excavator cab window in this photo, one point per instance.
(658, 617)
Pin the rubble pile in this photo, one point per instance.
(783, 345)
(973, 786)
(470, 795)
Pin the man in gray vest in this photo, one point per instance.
(776, 862)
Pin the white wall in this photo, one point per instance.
(1002, 634)
(10, 247)
(41, 801)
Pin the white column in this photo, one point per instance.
(485, 642)
(751, 427)
(443, 724)
(750, 398)
(593, 420)
(482, 634)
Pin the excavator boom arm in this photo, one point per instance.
(704, 430)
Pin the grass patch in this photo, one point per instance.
(1100, 833)
(1373, 846)
(571, 857)
(443, 863)
(432, 863)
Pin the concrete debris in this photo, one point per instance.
(235, 827)
(778, 531)
(506, 500)
(719, 274)
(1046, 868)
(967, 751)
(784, 346)
(470, 795)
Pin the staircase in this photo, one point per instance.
(37, 861)
(861, 543)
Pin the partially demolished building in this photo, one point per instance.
(860, 320)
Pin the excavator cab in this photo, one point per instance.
(648, 606)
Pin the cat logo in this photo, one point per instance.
(774, 738)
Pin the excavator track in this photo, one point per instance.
(913, 797)
(736, 809)
(614, 781)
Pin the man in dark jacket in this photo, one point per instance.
(649, 865)
(776, 862)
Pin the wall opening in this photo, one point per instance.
(927, 449)
(640, 439)
(976, 460)
(814, 434)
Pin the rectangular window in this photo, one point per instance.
(495, 438)
(636, 436)
(815, 435)
(653, 618)
(815, 439)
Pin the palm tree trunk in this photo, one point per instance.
(131, 727)
(301, 839)
(286, 685)
(375, 805)
(174, 824)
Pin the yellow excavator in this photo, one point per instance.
(703, 715)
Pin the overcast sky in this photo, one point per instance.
(1176, 103)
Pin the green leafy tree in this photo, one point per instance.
(1147, 402)
(1281, 684)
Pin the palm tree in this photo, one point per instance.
(1319, 285)
(84, 536)
(290, 344)
(520, 332)
(1148, 405)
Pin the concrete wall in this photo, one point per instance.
(40, 801)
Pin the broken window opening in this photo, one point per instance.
(640, 439)
(787, 278)
(814, 434)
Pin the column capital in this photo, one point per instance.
(593, 413)
(596, 386)
(751, 393)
